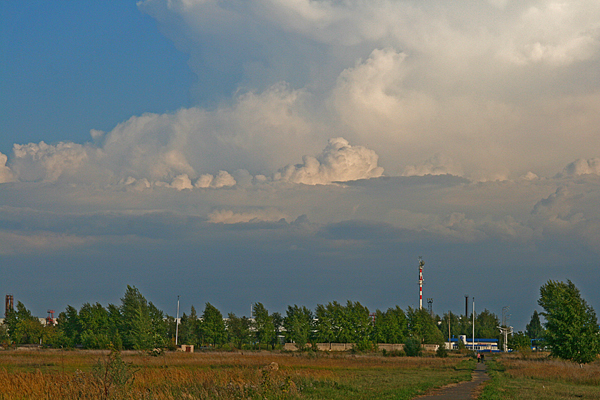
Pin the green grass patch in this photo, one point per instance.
(384, 383)
(539, 379)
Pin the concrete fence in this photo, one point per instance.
(344, 346)
(349, 346)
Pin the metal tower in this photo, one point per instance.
(430, 306)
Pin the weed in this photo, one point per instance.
(112, 374)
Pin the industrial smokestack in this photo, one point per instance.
(466, 306)
(8, 304)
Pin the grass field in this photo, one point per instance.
(529, 377)
(270, 375)
(226, 375)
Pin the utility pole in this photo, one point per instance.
(177, 322)
(421, 265)
(449, 337)
(473, 347)
(504, 329)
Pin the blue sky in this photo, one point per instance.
(70, 67)
(299, 152)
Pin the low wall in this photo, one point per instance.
(346, 346)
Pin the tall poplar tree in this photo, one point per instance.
(571, 325)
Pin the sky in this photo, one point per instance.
(299, 152)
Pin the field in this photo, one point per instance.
(530, 377)
(52, 374)
(223, 375)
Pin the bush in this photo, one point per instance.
(364, 346)
(441, 351)
(412, 347)
(112, 374)
(393, 353)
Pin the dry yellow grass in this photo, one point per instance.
(537, 377)
(542, 367)
(225, 375)
(71, 375)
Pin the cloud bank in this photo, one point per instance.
(497, 86)
(484, 117)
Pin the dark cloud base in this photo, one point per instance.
(284, 265)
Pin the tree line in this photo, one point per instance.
(138, 324)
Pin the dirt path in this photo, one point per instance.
(464, 390)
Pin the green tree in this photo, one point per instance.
(325, 324)
(455, 325)
(343, 324)
(142, 324)
(298, 324)
(212, 327)
(186, 330)
(359, 323)
(238, 330)
(571, 325)
(391, 326)
(263, 325)
(93, 322)
(486, 325)
(70, 326)
(189, 328)
(534, 328)
(114, 324)
(22, 327)
(519, 341)
(4, 337)
(423, 327)
(277, 324)
(158, 325)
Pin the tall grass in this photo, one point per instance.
(538, 377)
(554, 370)
(228, 375)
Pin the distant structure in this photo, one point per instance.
(481, 345)
(421, 265)
(505, 330)
(466, 306)
(9, 304)
(50, 320)
(373, 315)
(430, 306)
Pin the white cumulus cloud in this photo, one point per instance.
(232, 217)
(44, 162)
(339, 162)
(6, 174)
(222, 179)
(583, 167)
(436, 165)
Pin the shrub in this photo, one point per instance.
(412, 347)
(112, 374)
(441, 351)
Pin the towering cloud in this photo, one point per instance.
(408, 79)
(44, 162)
(339, 162)
(6, 174)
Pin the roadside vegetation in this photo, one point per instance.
(128, 352)
(75, 374)
(533, 376)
